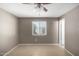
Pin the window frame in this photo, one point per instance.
(39, 29)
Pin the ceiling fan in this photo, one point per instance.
(39, 6)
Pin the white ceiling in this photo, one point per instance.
(28, 10)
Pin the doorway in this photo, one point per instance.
(62, 32)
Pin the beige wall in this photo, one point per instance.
(72, 31)
(8, 31)
(25, 31)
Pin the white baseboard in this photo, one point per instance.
(69, 52)
(38, 44)
(10, 51)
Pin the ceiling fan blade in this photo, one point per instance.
(45, 9)
(37, 3)
(46, 3)
(28, 3)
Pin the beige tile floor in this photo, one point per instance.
(38, 50)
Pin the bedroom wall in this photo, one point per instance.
(72, 31)
(25, 31)
(8, 31)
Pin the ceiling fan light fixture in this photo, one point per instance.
(39, 8)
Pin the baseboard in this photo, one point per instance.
(69, 52)
(38, 44)
(10, 51)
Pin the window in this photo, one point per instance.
(39, 28)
